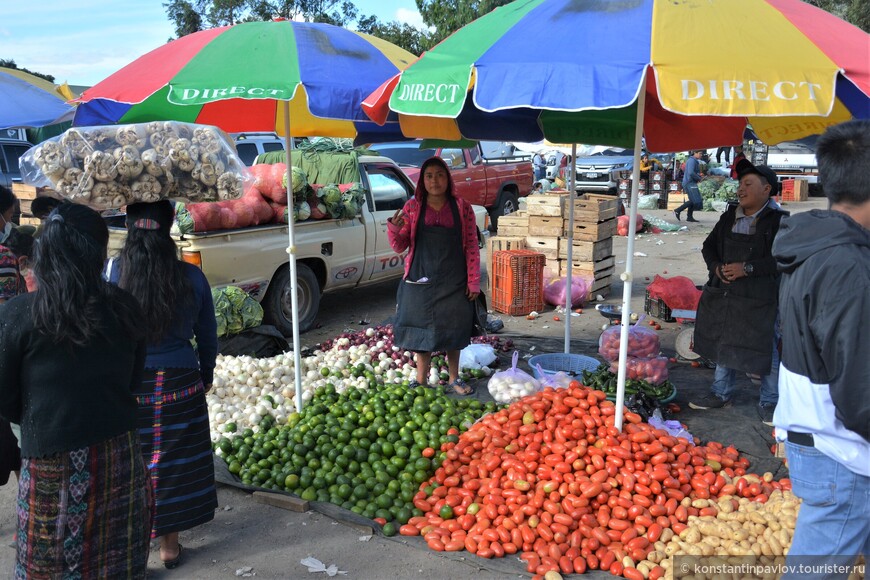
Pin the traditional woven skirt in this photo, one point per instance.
(173, 428)
(85, 513)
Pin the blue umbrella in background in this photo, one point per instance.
(27, 101)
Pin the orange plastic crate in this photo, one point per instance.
(518, 281)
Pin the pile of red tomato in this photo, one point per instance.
(551, 478)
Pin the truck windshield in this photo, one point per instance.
(408, 154)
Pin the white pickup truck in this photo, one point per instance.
(331, 254)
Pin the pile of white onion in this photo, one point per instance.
(246, 388)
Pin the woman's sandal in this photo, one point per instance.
(461, 388)
(173, 563)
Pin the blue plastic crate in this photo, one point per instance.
(573, 364)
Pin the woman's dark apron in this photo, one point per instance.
(435, 315)
(735, 322)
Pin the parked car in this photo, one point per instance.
(601, 172)
(331, 254)
(494, 183)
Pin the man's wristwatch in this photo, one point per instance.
(748, 269)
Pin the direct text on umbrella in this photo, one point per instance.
(429, 92)
(255, 92)
(752, 91)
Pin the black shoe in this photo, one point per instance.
(710, 401)
(677, 215)
(765, 413)
(691, 219)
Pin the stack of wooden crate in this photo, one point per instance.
(25, 194)
(594, 226)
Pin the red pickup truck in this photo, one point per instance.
(496, 183)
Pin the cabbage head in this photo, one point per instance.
(300, 180)
(303, 211)
(330, 194)
(235, 310)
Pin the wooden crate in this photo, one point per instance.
(593, 208)
(515, 224)
(596, 270)
(545, 225)
(28, 220)
(548, 246)
(545, 205)
(553, 266)
(497, 244)
(593, 232)
(583, 251)
(601, 286)
(675, 199)
(795, 189)
(23, 191)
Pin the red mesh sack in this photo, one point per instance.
(678, 292)
(622, 224)
(642, 342)
(206, 216)
(651, 370)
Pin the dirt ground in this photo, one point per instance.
(269, 542)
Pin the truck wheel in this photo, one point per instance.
(508, 204)
(277, 305)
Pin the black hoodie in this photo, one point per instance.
(824, 302)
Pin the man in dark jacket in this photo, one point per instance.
(824, 406)
(736, 322)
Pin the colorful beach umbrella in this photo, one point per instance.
(29, 101)
(296, 78)
(683, 74)
(239, 77)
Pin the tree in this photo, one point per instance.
(9, 63)
(448, 16)
(856, 12)
(412, 39)
(187, 19)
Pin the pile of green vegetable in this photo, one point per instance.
(604, 380)
(365, 450)
(717, 190)
(235, 310)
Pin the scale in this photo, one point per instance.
(685, 339)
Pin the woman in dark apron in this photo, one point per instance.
(442, 273)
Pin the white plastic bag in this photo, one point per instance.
(477, 356)
(512, 384)
(559, 380)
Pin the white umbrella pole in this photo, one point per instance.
(572, 179)
(627, 276)
(291, 251)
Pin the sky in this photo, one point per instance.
(84, 41)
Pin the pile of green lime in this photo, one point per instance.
(367, 451)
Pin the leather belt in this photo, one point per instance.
(805, 439)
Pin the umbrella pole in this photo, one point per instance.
(291, 251)
(572, 180)
(627, 276)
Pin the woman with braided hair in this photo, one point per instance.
(172, 413)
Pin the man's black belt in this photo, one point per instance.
(805, 439)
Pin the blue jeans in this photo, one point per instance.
(694, 194)
(724, 378)
(834, 513)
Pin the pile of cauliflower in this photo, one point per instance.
(109, 167)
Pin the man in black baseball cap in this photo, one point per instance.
(736, 320)
(744, 166)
